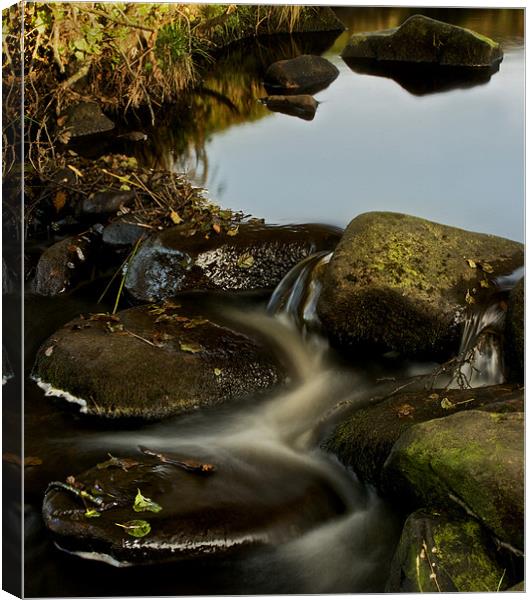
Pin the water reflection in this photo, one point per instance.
(455, 158)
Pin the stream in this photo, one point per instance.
(373, 145)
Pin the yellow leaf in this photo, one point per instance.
(484, 283)
(233, 231)
(487, 268)
(469, 298)
(245, 261)
(175, 218)
(217, 372)
(193, 348)
(471, 263)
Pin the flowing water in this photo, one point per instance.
(455, 156)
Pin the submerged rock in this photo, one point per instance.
(252, 500)
(256, 258)
(471, 460)
(123, 231)
(302, 106)
(64, 264)
(424, 40)
(400, 283)
(365, 440)
(438, 553)
(514, 333)
(85, 118)
(152, 361)
(306, 73)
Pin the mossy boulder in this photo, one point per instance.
(514, 333)
(424, 40)
(473, 460)
(257, 257)
(365, 439)
(438, 553)
(211, 503)
(64, 264)
(303, 74)
(302, 106)
(401, 283)
(153, 361)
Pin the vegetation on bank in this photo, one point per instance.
(122, 55)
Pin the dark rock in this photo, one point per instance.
(437, 553)
(302, 106)
(424, 40)
(123, 231)
(7, 371)
(401, 283)
(250, 500)
(85, 118)
(519, 587)
(104, 203)
(514, 333)
(151, 362)
(257, 257)
(66, 263)
(365, 440)
(306, 73)
(421, 79)
(473, 460)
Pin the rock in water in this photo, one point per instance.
(424, 40)
(364, 441)
(85, 118)
(105, 202)
(65, 263)
(249, 500)
(302, 106)
(401, 283)
(256, 258)
(514, 333)
(151, 362)
(471, 460)
(306, 73)
(437, 553)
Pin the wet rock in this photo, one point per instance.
(85, 118)
(424, 40)
(473, 460)
(123, 231)
(66, 263)
(302, 106)
(105, 203)
(153, 361)
(365, 440)
(7, 371)
(438, 553)
(252, 500)
(514, 333)
(306, 73)
(400, 283)
(256, 258)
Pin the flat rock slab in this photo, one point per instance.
(151, 362)
(303, 74)
(438, 553)
(473, 460)
(303, 106)
(85, 118)
(400, 283)
(424, 40)
(365, 440)
(247, 501)
(257, 257)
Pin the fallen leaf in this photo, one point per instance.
(217, 372)
(405, 410)
(233, 231)
(216, 227)
(487, 268)
(142, 504)
(245, 261)
(92, 513)
(175, 218)
(484, 283)
(136, 528)
(471, 263)
(434, 396)
(195, 322)
(446, 404)
(59, 200)
(48, 351)
(191, 347)
(123, 463)
(469, 298)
